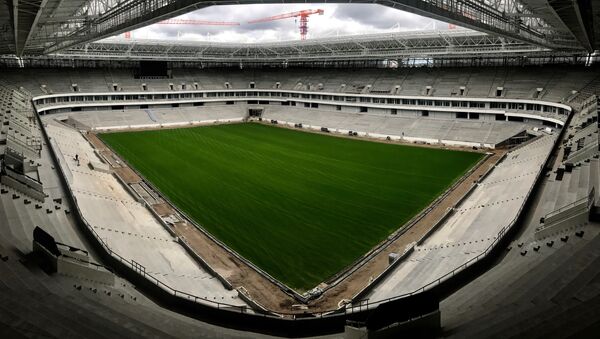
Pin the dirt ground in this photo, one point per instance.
(127, 174)
(236, 271)
(162, 209)
(269, 295)
(95, 141)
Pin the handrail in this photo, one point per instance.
(588, 198)
(95, 265)
(203, 95)
(565, 207)
(579, 152)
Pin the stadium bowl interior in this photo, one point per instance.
(297, 193)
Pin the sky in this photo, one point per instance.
(337, 20)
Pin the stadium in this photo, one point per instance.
(417, 183)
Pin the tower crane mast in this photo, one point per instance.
(304, 14)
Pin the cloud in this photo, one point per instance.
(338, 19)
(381, 17)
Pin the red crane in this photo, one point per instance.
(303, 19)
(190, 22)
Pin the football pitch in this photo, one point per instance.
(301, 206)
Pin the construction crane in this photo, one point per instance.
(303, 19)
(190, 22)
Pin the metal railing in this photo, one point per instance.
(565, 207)
(588, 200)
(87, 263)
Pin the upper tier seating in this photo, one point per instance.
(556, 82)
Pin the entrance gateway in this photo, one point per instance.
(255, 112)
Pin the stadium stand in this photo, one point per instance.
(474, 224)
(551, 291)
(549, 277)
(35, 304)
(91, 249)
(544, 277)
(519, 83)
(130, 229)
(478, 133)
(109, 119)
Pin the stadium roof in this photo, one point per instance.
(460, 42)
(35, 27)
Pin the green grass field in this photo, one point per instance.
(301, 206)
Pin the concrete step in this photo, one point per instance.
(590, 331)
(573, 186)
(553, 266)
(562, 322)
(584, 280)
(594, 175)
(532, 274)
(567, 274)
(97, 302)
(485, 322)
(475, 297)
(512, 277)
(529, 320)
(550, 192)
(69, 303)
(22, 305)
(509, 270)
(16, 326)
(517, 296)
